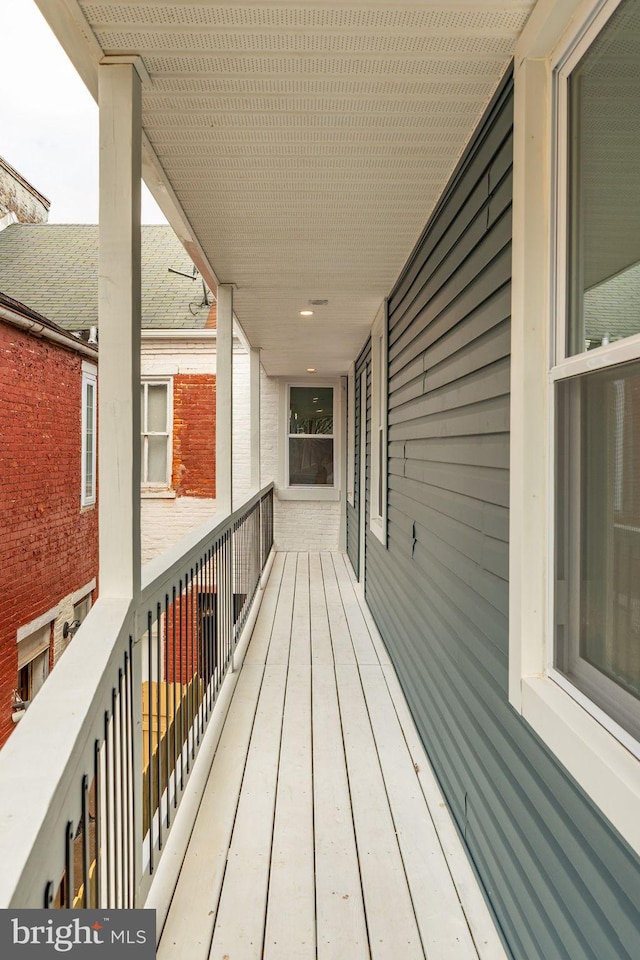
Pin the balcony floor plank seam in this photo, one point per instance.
(328, 838)
(198, 891)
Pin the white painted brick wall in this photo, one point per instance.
(164, 522)
(241, 425)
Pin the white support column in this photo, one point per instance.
(119, 317)
(254, 387)
(224, 401)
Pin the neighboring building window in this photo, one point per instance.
(378, 506)
(310, 442)
(597, 600)
(89, 434)
(33, 663)
(81, 609)
(155, 418)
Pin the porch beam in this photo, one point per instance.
(224, 400)
(119, 319)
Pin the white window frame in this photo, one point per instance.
(89, 379)
(351, 435)
(164, 485)
(379, 456)
(287, 491)
(601, 758)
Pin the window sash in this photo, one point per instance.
(155, 443)
(89, 438)
(612, 703)
(320, 437)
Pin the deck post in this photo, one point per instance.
(119, 318)
(254, 379)
(224, 401)
(224, 455)
(119, 313)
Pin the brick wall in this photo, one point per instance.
(48, 544)
(194, 435)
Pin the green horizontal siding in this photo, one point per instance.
(561, 882)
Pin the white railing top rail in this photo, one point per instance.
(162, 571)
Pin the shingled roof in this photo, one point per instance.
(53, 268)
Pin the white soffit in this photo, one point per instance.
(308, 143)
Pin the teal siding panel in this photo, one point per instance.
(562, 884)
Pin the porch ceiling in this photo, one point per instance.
(306, 143)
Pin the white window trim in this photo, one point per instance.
(285, 490)
(379, 381)
(351, 435)
(89, 376)
(160, 489)
(599, 758)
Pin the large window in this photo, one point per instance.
(89, 435)
(574, 567)
(597, 589)
(378, 499)
(311, 436)
(155, 419)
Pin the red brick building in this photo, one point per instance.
(48, 508)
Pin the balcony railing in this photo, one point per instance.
(96, 771)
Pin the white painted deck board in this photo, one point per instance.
(321, 650)
(291, 917)
(301, 623)
(433, 891)
(393, 930)
(257, 652)
(280, 644)
(198, 890)
(360, 636)
(322, 833)
(343, 651)
(239, 923)
(342, 928)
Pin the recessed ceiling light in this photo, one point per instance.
(314, 399)
(311, 369)
(321, 410)
(306, 313)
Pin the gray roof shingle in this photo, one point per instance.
(53, 268)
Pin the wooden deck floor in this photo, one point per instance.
(322, 832)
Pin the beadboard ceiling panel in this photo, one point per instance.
(307, 143)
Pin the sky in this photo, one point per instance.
(49, 120)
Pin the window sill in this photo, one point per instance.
(330, 494)
(601, 765)
(377, 528)
(158, 494)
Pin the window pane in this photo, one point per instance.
(598, 538)
(89, 441)
(157, 407)
(604, 186)
(157, 462)
(311, 410)
(311, 461)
